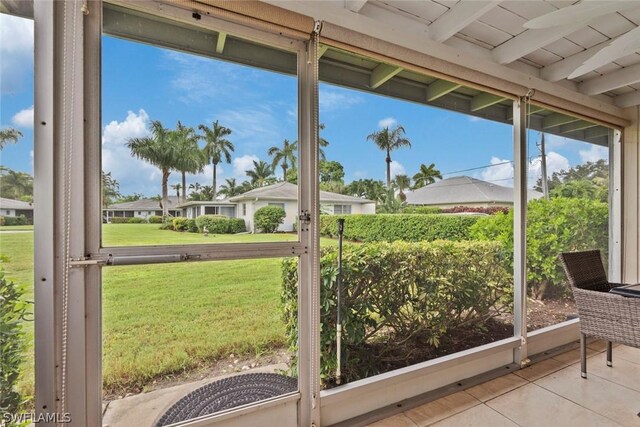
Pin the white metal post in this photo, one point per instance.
(309, 281)
(616, 235)
(60, 333)
(519, 228)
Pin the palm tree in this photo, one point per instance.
(160, 150)
(260, 173)
(190, 158)
(230, 188)
(177, 187)
(286, 155)
(14, 184)
(323, 143)
(9, 135)
(389, 140)
(402, 182)
(426, 175)
(216, 147)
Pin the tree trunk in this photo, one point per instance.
(388, 169)
(165, 192)
(284, 170)
(214, 180)
(184, 187)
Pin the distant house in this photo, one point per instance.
(10, 207)
(285, 195)
(143, 208)
(464, 191)
(193, 209)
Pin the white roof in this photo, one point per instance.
(15, 204)
(460, 190)
(288, 191)
(145, 205)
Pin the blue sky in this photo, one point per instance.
(142, 83)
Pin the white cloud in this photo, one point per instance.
(594, 153)
(337, 99)
(16, 51)
(502, 172)
(555, 163)
(23, 118)
(256, 125)
(387, 122)
(132, 174)
(397, 169)
(474, 119)
(242, 164)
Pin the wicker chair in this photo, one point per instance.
(605, 316)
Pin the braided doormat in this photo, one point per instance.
(226, 394)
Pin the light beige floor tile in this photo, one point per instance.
(440, 409)
(611, 400)
(400, 420)
(540, 369)
(478, 416)
(532, 405)
(573, 356)
(630, 354)
(623, 372)
(496, 387)
(598, 345)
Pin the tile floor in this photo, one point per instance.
(548, 393)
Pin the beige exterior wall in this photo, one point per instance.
(631, 199)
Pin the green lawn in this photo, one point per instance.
(163, 319)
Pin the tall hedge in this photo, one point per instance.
(220, 224)
(392, 227)
(400, 293)
(553, 226)
(268, 218)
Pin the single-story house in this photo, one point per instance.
(285, 195)
(11, 207)
(193, 209)
(464, 191)
(142, 208)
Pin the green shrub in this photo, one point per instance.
(398, 293)
(424, 210)
(268, 218)
(137, 220)
(180, 223)
(220, 224)
(119, 220)
(167, 225)
(13, 308)
(154, 219)
(14, 220)
(392, 227)
(192, 227)
(553, 226)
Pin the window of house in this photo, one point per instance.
(211, 210)
(342, 209)
(244, 209)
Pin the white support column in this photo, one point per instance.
(308, 273)
(631, 197)
(615, 207)
(62, 367)
(519, 229)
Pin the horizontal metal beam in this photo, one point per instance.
(459, 17)
(382, 73)
(557, 119)
(623, 77)
(440, 88)
(579, 125)
(627, 100)
(485, 100)
(135, 255)
(222, 38)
